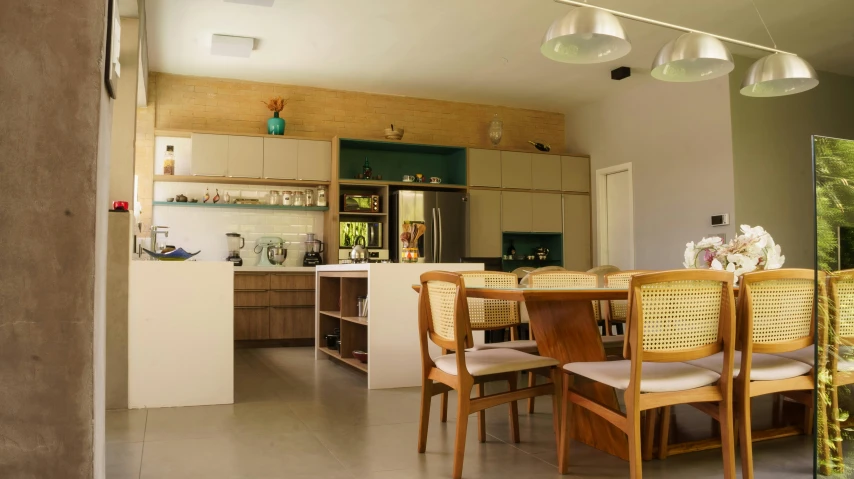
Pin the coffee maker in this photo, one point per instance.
(234, 242)
(313, 248)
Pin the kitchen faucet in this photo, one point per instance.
(156, 230)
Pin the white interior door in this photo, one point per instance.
(615, 218)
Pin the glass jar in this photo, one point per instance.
(309, 197)
(299, 198)
(274, 198)
(321, 195)
(287, 198)
(410, 255)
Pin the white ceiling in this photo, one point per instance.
(480, 51)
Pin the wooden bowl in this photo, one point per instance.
(361, 356)
(393, 134)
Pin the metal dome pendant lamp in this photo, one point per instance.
(584, 36)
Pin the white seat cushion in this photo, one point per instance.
(764, 367)
(655, 377)
(610, 340)
(494, 361)
(807, 356)
(524, 345)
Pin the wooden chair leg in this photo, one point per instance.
(664, 432)
(532, 381)
(424, 417)
(745, 434)
(443, 408)
(513, 409)
(481, 417)
(726, 415)
(463, 408)
(648, 433)
(634, 433)
(619, 328)
(557, 379)
(777, 410)
(565, 417)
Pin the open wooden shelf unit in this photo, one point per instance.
(336, 309)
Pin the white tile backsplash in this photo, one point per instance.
(195, 228)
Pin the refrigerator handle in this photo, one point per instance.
(434, 234)
(441, 235)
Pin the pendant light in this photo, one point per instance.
(778, 74)
(692, 57)
(586, 35)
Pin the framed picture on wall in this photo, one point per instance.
(113, 69)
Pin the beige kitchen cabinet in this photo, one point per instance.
(577, 253)
(210, 155)
(516, 170)
(575, 174)
(314, 160)
(546, 172)
(484, 223)
(516, 207)
(280, 158)
(484, 167)
(245, 156)
(546, 215)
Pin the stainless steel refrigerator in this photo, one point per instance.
(444, 215)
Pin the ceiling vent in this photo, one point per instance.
(257, 3)
(227, 46)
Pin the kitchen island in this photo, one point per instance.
(180, 333)
(389, 332)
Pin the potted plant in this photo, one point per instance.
(276, 125)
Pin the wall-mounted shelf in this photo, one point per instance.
(224, 180)
(236, 206)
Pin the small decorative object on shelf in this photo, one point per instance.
(227, 197)
(321, 195)
(752, 250)
(540, 146)
(207, 196)
(366, 170)
(276, 125)
(181, 199)
(511, 250)
(169, 161)
(216, 197)
(496, 130)
(419, 178)
(392, 134)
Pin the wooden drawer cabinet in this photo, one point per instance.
(291, 323)
(292, 281)
(292, 298)
(251, 299)
(251, 281)
(252, 323)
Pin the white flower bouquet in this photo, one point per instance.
(752, 250)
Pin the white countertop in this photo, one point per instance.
(274, 269)
(345, 267)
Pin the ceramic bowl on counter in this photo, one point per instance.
(361, 356)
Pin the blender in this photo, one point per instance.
(313, 248)
(234, 243)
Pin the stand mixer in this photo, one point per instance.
(313, 248)
(271, 249)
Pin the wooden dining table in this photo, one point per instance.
(562, 321)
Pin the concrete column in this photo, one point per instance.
(54, 145)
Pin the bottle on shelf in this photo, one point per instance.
(366, 170)
(511, 250)
(169, 161)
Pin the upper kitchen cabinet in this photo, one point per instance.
(484, 223)
(575, 174)
(546, 212)
(314, 160)
(546, 172)
(516, 170)
(210, 155)
(280, 158)
(516, 210)
(245, 156)
(484, 168)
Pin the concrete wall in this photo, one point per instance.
(678, 139)
(124, 115)
(772, 157)
(53, 140)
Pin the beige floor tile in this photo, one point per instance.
(123, 460)
(127, 425)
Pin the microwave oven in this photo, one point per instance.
(368, 234)
(361, 203)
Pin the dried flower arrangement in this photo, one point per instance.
(276, 104)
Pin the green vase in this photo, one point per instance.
(275, 125)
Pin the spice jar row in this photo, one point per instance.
(306, 197)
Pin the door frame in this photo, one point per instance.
(602, 212)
